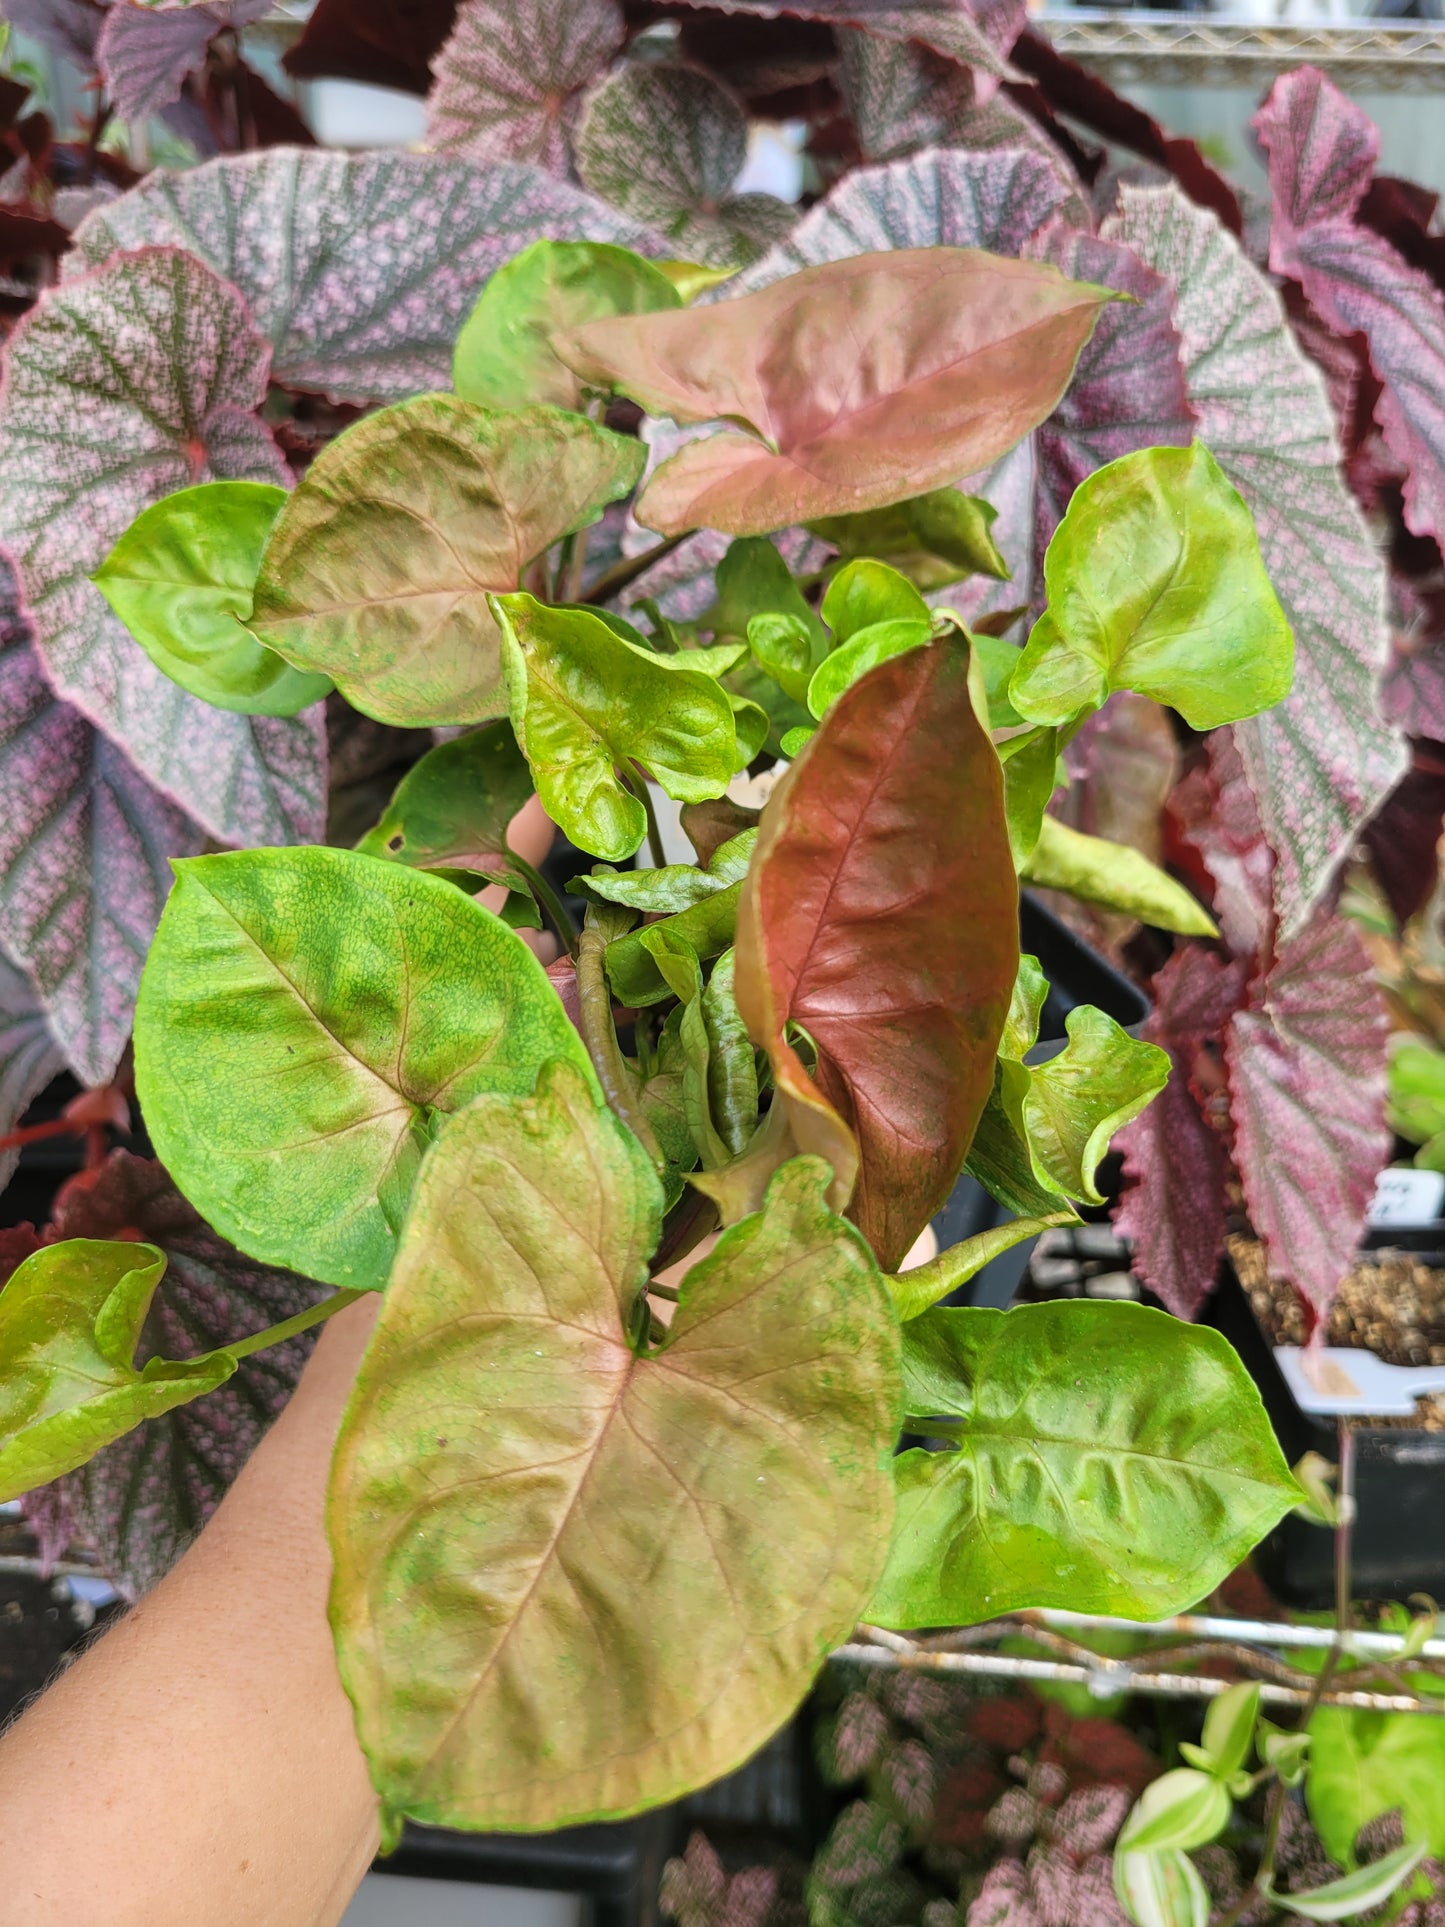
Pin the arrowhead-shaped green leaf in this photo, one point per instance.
(182, 579)
(1155, 583)
(452, 808)
(934, 539)
(504, 356)
(1109, 1458)
(305, 1016)
(575, 1575)
(677, 886)
(379, 568)
(585, 700)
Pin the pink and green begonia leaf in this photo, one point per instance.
(145, 52)
(1322, 150)
(359, 269)
(85, 848)
(69, 28)
(120, 387)
(29, 1055)
(1324, 759)
(509, 80)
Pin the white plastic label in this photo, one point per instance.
(1407, 1197)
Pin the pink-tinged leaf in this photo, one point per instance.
(121, 387)
(1306, 1068)
(140, 1502)
(29, 1055)
(146, 52)
(69, 28)
(976, 33)
(508, 80)
(358, 269)
(1217, 813)
(85, 845)
(1413, 696)
(1321, 762)
(1322, 150)
(1175, 1161)
(862, 381)
(1128, 389)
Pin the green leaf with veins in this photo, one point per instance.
(71, 1321)
(452, 808)
(676, 886)
(1155, 583)
(1097, 871)
(753, 581)
(742, 1465)
(305, 1018)
(1108, 1458)
(504, 356)
(381, 563)
(706, 927)
(1363, 1764)
(182, 579)
(586, 700)
(933, 539)
(1030, 777)
(787, 648)
(865, 592)
(864, 650)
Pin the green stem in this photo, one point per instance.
(637, 783)
(599, 1034)
(614, 580)
(553, 906)
(293, 1327)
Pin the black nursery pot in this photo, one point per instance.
(1398, 1541)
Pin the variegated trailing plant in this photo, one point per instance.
(606, 1495)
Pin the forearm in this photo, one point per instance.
(199, 1764)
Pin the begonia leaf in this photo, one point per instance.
(29, 1055)
(935, 361)
(1323, 760)
(145, 53)
(359, 269)
(452, 809)
(139, 1502)
(585, 700)
(1322, 151)
(182, 578)
(69, 28)
(122, 386)
(707, 927)
(305, 1019)
(510, 1310)
(1108, 1456)
(934, 539)
(845, 929)
(1155, 584)
(973, 35)
(1097, 871)
(504, 356)
(1218, 813)
(84, 849)
(1306, 1067)
(508, 80)
(665, 143)
(380, 565)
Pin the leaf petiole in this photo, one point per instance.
(293, 1327)
(552, 904)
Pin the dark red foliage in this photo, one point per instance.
(1096, 1752)
(387, 43)
(1008, 1724)
(266, 118)
(1401, 213)
(1402, 835)
(962, 1802)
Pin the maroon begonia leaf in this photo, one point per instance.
(358, 269)
(1306, 1069)
(69, 28)
(1175, 1161)
(85, 848)
(891, 818)
(509, 79)
(146, 52)
(385, 43)
(1217, 813)
(1403, 835)
(1321, 761)
(977, 33)
(1403, 213)
(138, 1504)
(1322, 151)
(1413, 695)
(29, 1055)
(1128, 389)
(120, 387)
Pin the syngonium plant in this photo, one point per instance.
(594, 1533)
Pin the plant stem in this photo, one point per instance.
(637, 783)
(614, 580)
(293, 1327)
(552, 904)
(599, 1034)
(574, 553)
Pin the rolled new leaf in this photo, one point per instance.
(1111, 874)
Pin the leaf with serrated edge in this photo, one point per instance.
(862, 382)
(1306, 1067)
(1109, 1458)
(305, 1017)
(138, 1504)
(508, 79)
(891, 814)
(379, 567)
(665, 143)
(145, 52)
(502, 1362)
(452, 809)
(1322, 151)
(85, 844)
(29, 1054)
(120, 387)
(1322, 762)
(359, 269)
